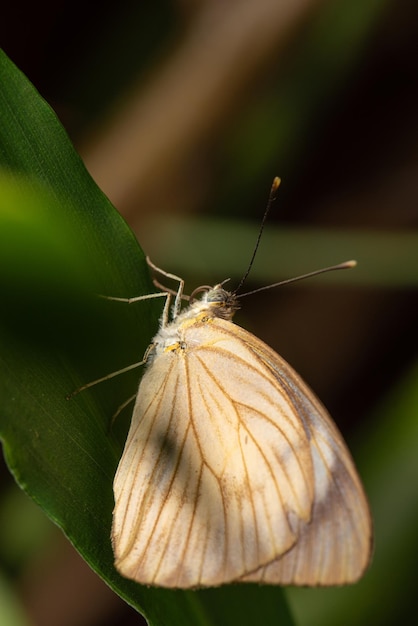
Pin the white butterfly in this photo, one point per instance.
(233, 471)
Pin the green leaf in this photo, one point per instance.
(62, 244)
(384, 259)
(12, 614)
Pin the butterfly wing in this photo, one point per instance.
(228, 466)
(335, 546)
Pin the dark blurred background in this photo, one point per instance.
(183, 113)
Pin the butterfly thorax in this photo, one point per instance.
(216, 302)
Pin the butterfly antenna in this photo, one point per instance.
(270, 202)
(341, 266)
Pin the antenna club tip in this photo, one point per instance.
(276, 183)
(349, 264)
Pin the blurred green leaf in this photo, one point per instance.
(384, 259)
(11, 612)
(24, 529)
(62, 239)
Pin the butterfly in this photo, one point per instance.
(233, 471)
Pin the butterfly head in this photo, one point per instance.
(216, 301)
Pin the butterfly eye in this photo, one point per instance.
(217, 294)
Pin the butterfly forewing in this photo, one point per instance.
(233, 471)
